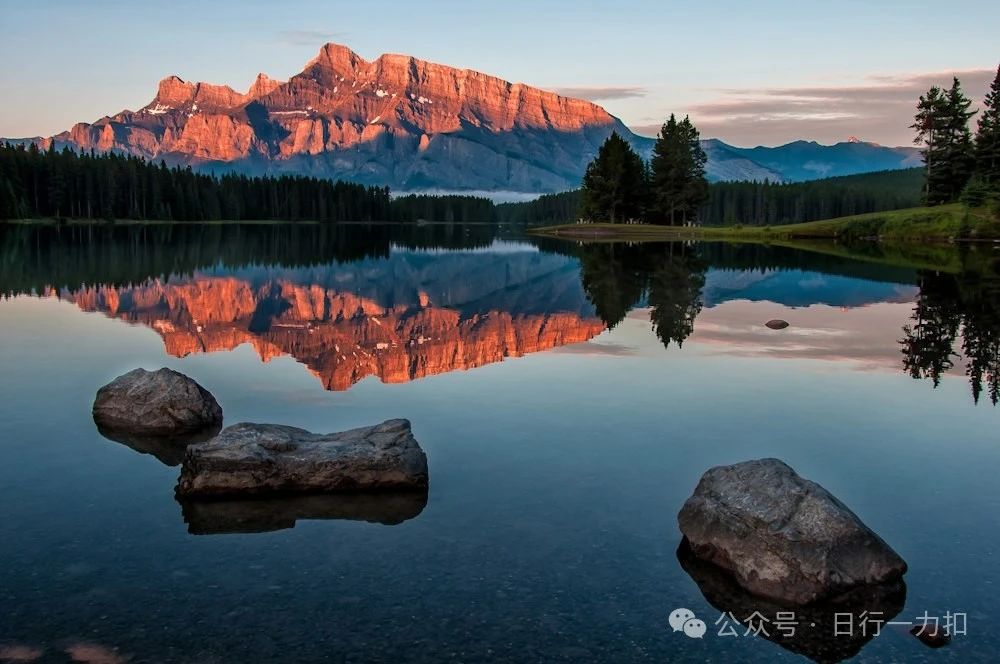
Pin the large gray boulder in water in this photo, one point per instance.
(155, 403)
(781, 536)
(255, 459)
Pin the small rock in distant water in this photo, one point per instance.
(776, 324)
(781, 536)
(255, 459)
(931, 635)
(155, 403)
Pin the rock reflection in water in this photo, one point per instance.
(168, 450)
(815, 635)
(213, 517)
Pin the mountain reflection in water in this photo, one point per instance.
(400, 302)
(342, 336)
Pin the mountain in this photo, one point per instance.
(808, 160)
(726, 163)
(396, 121)
(414, 125)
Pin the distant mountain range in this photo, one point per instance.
(415, 125)
(808, 160)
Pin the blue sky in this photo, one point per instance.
(751, 73)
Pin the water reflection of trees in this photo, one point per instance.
(613, 278)
(33, 257)
(669, 277)
(957, 317)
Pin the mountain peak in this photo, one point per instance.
(174, 93)
(263, 85)
(337, 57)
(174, 90)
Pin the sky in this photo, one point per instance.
(750, 73)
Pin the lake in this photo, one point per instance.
(568, 398)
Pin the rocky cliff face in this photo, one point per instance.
(398, 121)
(395, 121)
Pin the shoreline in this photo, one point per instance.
(943, 224)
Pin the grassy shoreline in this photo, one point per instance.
(945, 223)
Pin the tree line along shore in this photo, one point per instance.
(65, 185)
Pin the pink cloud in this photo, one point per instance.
(879, 110)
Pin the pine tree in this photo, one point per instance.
(959, 158)
(929, 125)
(677, 173)
(942, 126)
(614, 185)
(988, 138)
(695, 192)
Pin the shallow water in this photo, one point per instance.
(560, 451)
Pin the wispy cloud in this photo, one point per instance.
(309, 37)
(879, 109)
(601, 93)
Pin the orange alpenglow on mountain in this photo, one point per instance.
(395, 121)
(341, 337)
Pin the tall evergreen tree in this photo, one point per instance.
(614, 185)
(988, 138)
(929, 123)
(942, 126)
(695, 193)
(958, 147)
(678, 187)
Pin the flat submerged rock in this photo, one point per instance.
(259, 459)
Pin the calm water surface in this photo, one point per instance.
(568, 399)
